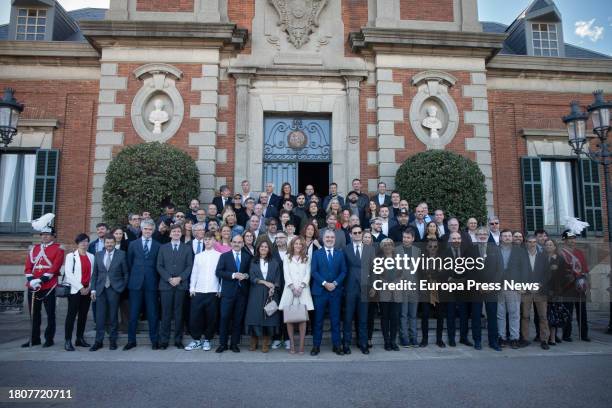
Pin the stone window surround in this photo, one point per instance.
(257, 96)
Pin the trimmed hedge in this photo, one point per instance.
(444, 180)
(145, 177)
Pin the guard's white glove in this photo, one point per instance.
(35, 283)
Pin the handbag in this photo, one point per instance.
(270, 307)
(295, 313)
(62, 289)
(558, 315)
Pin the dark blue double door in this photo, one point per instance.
(297, 150)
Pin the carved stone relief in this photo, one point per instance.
(298, 18)
(157, 109)
(434, 117)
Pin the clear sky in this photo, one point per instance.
(586, 23)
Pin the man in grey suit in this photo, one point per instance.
(174, 263)
(359, 261)
(408, 314)
(108, 280)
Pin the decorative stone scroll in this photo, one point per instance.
(298, 18)
(157, 109)
(434, 117)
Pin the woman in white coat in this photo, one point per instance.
(77, 272)
(296, 269)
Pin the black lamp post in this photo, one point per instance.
(599, 149)
(10, 110)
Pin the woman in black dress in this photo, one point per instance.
(265, 274)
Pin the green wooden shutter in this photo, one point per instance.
(591, 190)
(45, 182)
(533, 209)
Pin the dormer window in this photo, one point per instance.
(31, 24)
(545, 40)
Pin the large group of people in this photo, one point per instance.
(265, 265)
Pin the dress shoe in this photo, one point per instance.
(440, 344)
(129, 346)
(514, 344)
(80, 342)
(32, 344)
(558, 340)
(97, 346)
(315, 351)
(155, 346)
(113, 345)
(163, 346)
(568, 339)
(346, 350)
(221, 349)
(365, 350)
(552, 343)
(234, 348)
(338, 350)
(423, 343)
(68, 346)
(586, 339)
(48, 343)
(452, 343)
(388, 347)
(395, 347)
(477, 345)
(496, 347)
(179, 345)
(544, 345)
(466, 342)
(523, 343)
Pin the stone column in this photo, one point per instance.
(352, 150)
(241, 157)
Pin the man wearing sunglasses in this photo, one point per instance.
(494, 233)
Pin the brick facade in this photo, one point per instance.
(427, 10)
(74, 105)
(165, 5)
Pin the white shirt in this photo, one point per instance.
(108, 256)
(385, 227)
(381, 199)
(263, 265)
(100, 245)
(203, 274)
(357, 246)
(194, 244)
(496, 236)
(147, 242)
(441, 230)
(532, 259)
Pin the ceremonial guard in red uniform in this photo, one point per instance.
(42, 269)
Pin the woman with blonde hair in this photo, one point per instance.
(296, 267)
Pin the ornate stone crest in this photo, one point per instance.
(296, 139)
(298, 18)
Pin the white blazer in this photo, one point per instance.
(72, 270)
(297, 274)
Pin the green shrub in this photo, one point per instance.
(444, 180)
(145, 177)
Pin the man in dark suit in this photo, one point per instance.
(441, 224)
(352, 204)
(267, 210)
(223, 200)
(233, 270)
(515, 262)
(359, 258)
(396, 232)
(382, 198)
(97, 244)
(490, 273)
(273, 199)
(333, 193)
(108, 280)
(494, 234)
(457, 299)
(328, 270)
(419, 225)
(143, 282)
(174, 263)
(537, 272)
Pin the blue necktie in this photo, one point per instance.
(330, 258)
(145, 249)
(199, 247)
(237, 263)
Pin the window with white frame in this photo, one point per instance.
(545, 40)
(31, 23)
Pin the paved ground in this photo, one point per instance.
(578, 381)
(570, 374)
